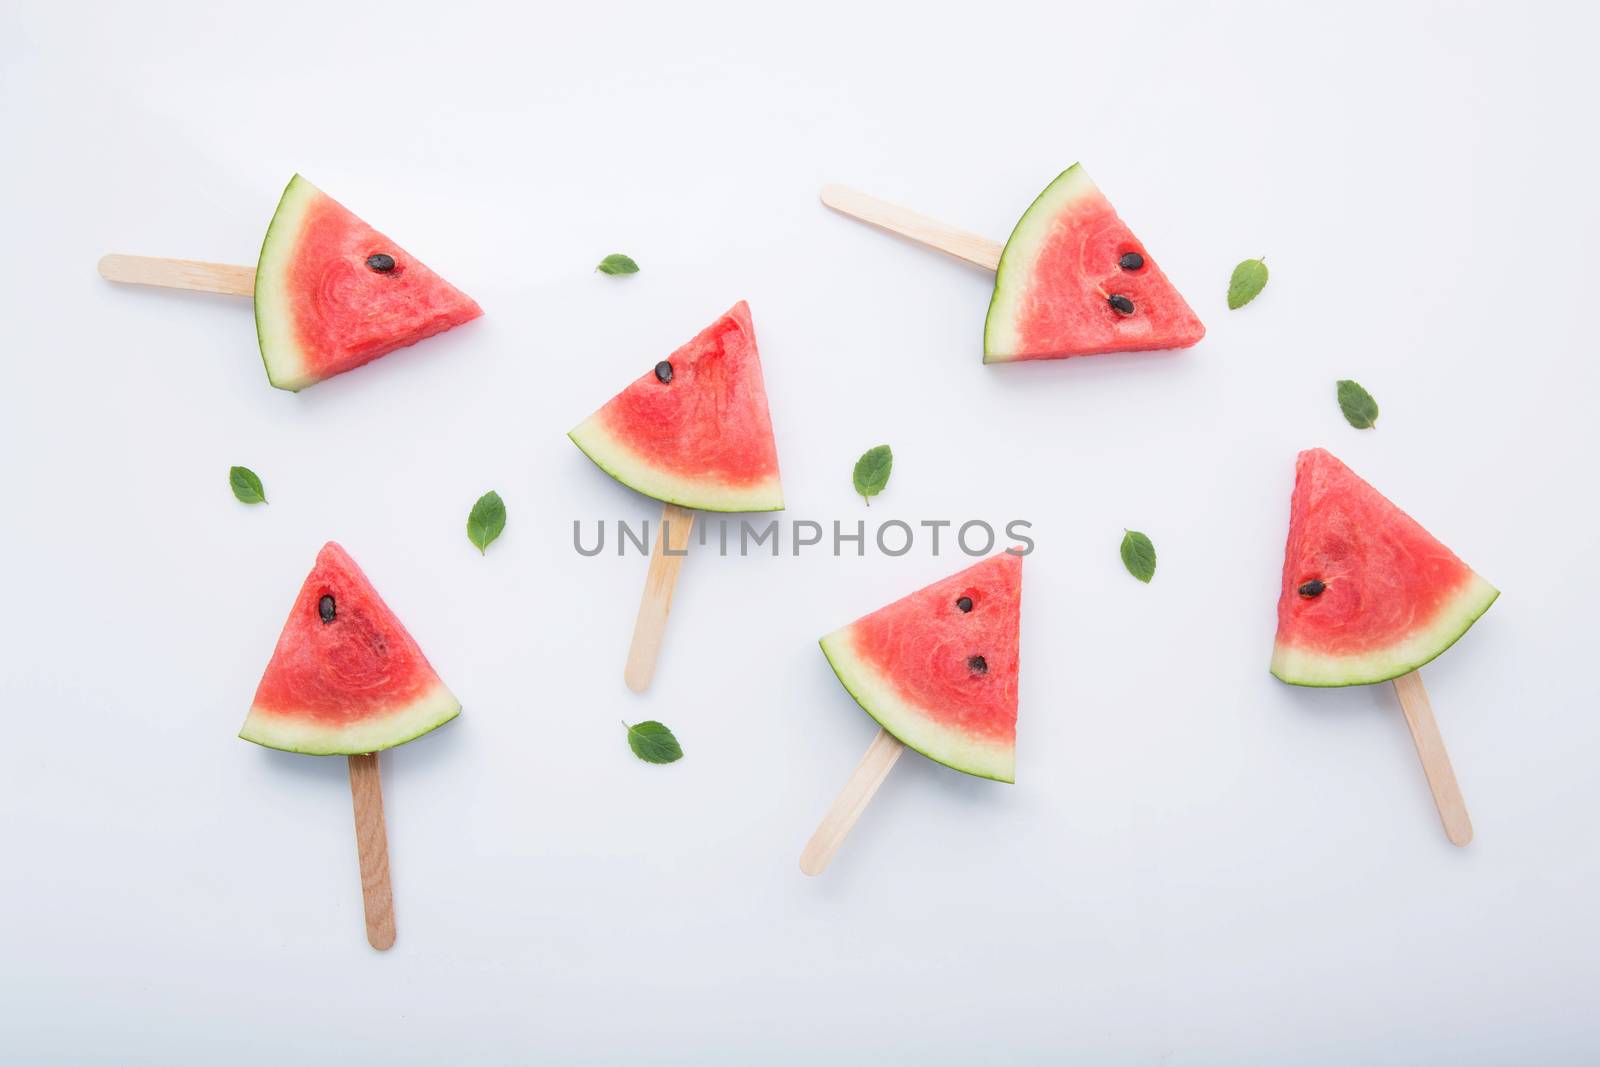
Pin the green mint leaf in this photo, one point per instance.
(487, 519)
(246, 486)
(1360, 410)
(653, 742)
(1138, 555)
(872, 472)
(617, 263)
(1249, 278)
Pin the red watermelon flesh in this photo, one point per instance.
(346, 677)
(1059, 272)
(938, 669)
(695, 429)
(322, 310)
(1391, 598)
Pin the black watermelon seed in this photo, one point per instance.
(1131, 261)
(325, 608)
(664, 371)
(977, 665)
(964, 603)
(381, 262)
(1121, 304)
(1313, 588)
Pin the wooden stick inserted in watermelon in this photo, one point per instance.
(666, 560)
(179, 274)
(347, 679)
(853, 799)
(367, 296)
(1072, 280)
(979, 251)
(372, 849)
(938, 671)
(1435, 760)
(693, 432)
(1368, 596)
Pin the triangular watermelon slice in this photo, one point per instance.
(332, 293)
(938, 669)
(695, 430)
(1368, 594)
(1074, 281)
(346, 677)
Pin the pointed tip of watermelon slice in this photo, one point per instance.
(1316, 457)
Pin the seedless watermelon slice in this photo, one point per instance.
(938, 668)
(1074, 281)
(695, 430)
(346, 677)
(1368, 594)
(332, 293)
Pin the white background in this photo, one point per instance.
(1197, 865)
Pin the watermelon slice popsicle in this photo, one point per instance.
(938, 671)
(331, 293)
(346, 679)
(1370, 596)
(693, 432)
(1072, 280)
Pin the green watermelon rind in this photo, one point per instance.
(275, 328)
(614, 457)
(910, 725)
(1022, 249)
(1299, 666)
(376, 731)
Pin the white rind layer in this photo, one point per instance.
(1299, 666)
(300, 733)
(636, 472)
(1015, 272)
(275, 327)
(912, 725)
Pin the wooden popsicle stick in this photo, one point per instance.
(851, 802)
(1435, 760)
(179, 274)
(979, 251)
(372, 848)
(656, 602)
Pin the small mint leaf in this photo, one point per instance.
(1138, 555)
(872, 472)
(246, 486)
(653, 742)
(617, 263)
(487, 519)
(1360, 410)
(1249, 278)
